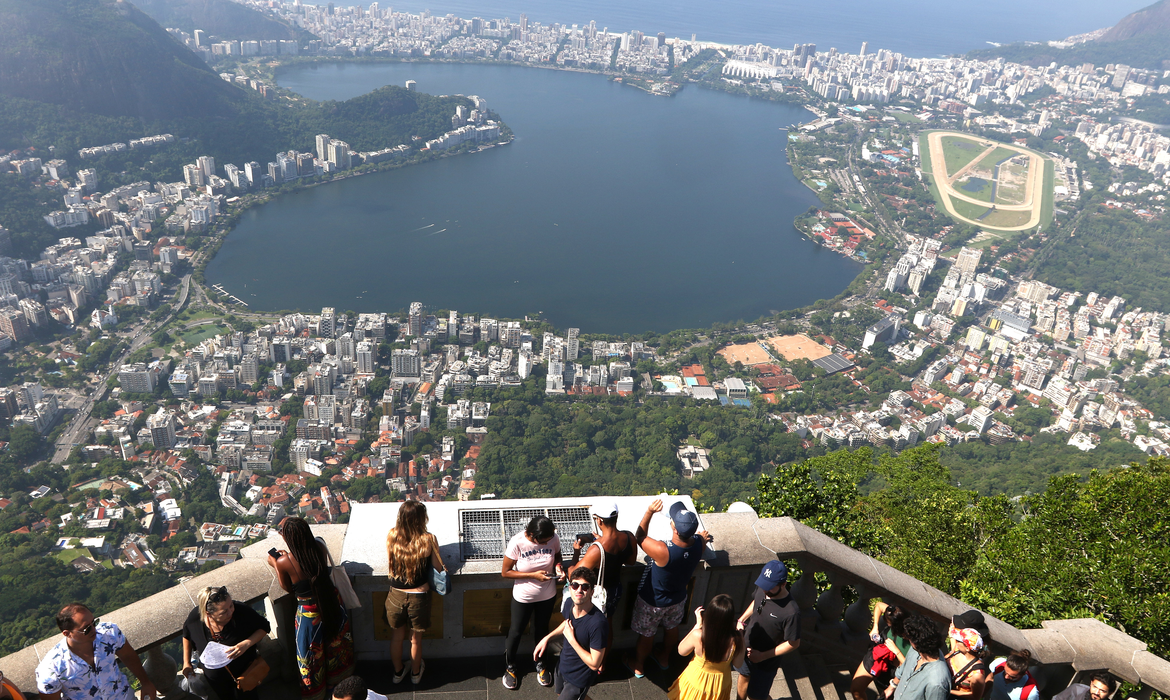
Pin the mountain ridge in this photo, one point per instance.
(105, 57)
(222, 19)
(1141, 39)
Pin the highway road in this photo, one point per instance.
(82, 423)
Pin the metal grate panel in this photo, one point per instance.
(570, 522)
(484, 533)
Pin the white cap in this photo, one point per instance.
(604, 510)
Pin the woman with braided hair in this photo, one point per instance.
(323, 632)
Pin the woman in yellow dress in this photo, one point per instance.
(717, 645)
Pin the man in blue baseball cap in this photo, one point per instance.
(771, 626)
(662, 594)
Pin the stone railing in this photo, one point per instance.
(1062, 648)
(153, 621)
(472, 619)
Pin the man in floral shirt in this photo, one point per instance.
(84, 665)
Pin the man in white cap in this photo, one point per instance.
(662, 594)
(619, 548)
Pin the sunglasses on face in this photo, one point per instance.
(85, 631)
(580, 586)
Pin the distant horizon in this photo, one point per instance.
(916, 28)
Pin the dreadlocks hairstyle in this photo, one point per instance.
(311, 558)
(408, 545)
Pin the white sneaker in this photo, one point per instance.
(415, 678)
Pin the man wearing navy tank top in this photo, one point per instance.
(662, 594)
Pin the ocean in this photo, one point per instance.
(916, 28)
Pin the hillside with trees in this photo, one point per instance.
(1085, 547)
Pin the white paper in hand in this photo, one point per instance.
(371, 695)
(215, 656)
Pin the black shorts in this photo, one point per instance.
(760, 678)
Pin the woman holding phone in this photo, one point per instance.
(533, 562)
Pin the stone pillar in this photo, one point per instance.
(804, 591)
(830, 604)
(163, 672)
(858, 617)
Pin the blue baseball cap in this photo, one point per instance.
(773, 574)
(685, 522)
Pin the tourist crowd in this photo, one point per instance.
(910, 658)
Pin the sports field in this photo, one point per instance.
(747, 353)
(985, 183)
(798, 347)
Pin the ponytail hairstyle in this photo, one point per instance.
(896, 616)
(719, 634)
(408, 545)
(310, 555)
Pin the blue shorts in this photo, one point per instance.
(760, 678)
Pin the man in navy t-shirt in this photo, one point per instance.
(585, 630)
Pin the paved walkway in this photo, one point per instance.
(479, 679)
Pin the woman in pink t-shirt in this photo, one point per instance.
(533, 561)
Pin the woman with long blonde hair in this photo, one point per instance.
(413, 553)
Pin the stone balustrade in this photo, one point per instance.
(472, 618)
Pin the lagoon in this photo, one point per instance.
(613, 211)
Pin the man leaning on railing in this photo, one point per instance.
(84, 665)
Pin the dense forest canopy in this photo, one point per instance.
(1085, 547)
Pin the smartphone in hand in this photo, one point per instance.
(274, 553)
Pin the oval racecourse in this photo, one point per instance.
(993, 185)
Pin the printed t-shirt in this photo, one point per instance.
(773, 621)
(591, 631)
(62, 671)
(530, 556)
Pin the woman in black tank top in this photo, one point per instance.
(620, 549)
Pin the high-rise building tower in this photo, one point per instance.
(162, 429)
(416, 318)
(323, 147)
(864, 47)
(966, 263)
(325, 328)
(572, 346)
(207, 165)
(365, 357)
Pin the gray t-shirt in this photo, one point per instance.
(930, 681)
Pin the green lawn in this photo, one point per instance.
(967, 209)
(1007, 219)
(996, 156)
(958, 152)
(1048, 202)
(199, 315)
(201, 333)
(906, 118)
(67, 555)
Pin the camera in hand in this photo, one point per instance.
(585, 537)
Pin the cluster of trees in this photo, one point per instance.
(1114, 252)
(537, 448)
(1085, 547)
(36, 586)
